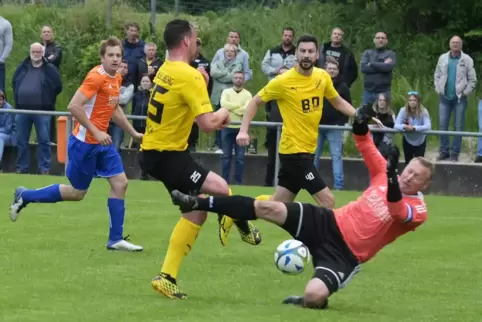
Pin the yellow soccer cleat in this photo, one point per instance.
(225, 224)
(264, 197)
(166, 286)
(249, 233)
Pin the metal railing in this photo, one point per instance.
(277, 125)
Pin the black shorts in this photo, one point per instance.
(316, 227)
(297, 171)
(177, 170)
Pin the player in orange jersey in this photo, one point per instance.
(340, 240)
(90, 148)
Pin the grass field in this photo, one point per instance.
(54, 266)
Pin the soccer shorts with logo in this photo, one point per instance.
(177, 170)
(316, 227)
(297, 171)
(87, 161)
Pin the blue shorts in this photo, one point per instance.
(89, 160)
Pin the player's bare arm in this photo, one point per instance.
(209, 122)
(343, 106)
(121, 120)
(76, 108)
(253, 105)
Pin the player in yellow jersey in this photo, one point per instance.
(299, 93)
(178, 98)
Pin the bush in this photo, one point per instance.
(80, 29)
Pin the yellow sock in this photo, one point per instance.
(263, 197)
(230, 192)
(182, 239)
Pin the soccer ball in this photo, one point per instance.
(291, 257)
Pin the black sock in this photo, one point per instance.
(236, 207)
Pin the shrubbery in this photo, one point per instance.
(79, 30)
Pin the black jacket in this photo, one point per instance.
(201, 61)
(332, 116)
(142, 69)
(51, 84)
(53, 48)
(348, 65)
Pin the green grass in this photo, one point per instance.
(54, 266)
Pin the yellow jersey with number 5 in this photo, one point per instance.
(300, 101)
(178, 96)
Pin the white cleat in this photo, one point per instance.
(124, 245)
(18, 204)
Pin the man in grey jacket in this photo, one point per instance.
(454, 79)
(234, 38)
(377, 65)
(6, 44)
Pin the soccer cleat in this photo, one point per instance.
(185, 202)
(18, 204)
(225, 224)
(123, 244)
(167, 286)
(300, 300)
(249, 233)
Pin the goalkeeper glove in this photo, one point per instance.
(392, 161)
(362, 116)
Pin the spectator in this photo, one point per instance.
(53, 53)
(140, 103)
(7, 126)
(412, 119)
(478, 159)
(386, 116)
(454, 80)
(331, 116)
(53, 50)
(6, 44)
(126, 94)
(377, 65)
(234, 38)
(199, 62)
(281, 57)
(222, 72)
(343, 55)
(149, 64)
(36, 84)
(133, 50)
(275, 62)
(235, 99)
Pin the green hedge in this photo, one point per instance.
(80, 29)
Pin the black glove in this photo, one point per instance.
(365, 113)
(392, 161)
(362, 116)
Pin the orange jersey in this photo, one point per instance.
(103, 91)
(370, 223)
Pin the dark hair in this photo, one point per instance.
(176, 30)
(125, 62)
(289, 29)
(132, 24)
(112, 41)
(331, 60)
(146, 75)
(307, 38)
(235, 31)
(2, 94)
(383, 32)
